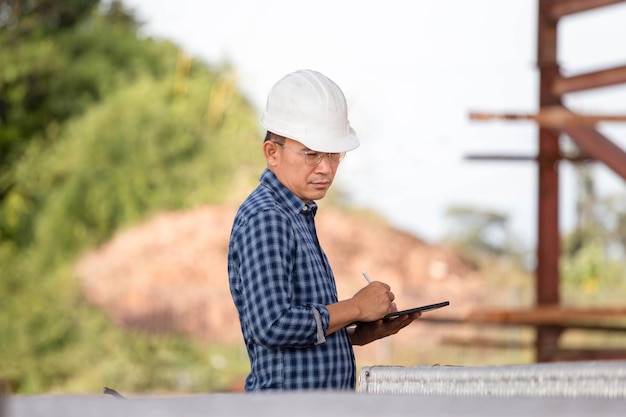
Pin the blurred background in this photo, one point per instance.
(129, 134)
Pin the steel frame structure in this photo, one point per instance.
(554, 120)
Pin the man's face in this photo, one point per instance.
(308, 181)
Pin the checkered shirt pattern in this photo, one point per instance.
(281, 281)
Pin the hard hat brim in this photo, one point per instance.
(312, 140)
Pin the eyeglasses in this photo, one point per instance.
(312, 158)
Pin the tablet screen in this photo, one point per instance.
(413, 310)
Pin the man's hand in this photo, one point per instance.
(369, 304)
(365, 333)
(373, 301)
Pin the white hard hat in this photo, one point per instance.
(309, 107)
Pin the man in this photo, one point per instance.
(297, 333)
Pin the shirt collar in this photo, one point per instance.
(293, 203)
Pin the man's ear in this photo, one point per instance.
(270, 150)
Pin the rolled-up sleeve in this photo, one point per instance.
(321, 323)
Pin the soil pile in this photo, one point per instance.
(169, 275)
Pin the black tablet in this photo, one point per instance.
(413, 310)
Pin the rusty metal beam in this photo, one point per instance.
(570, 158)
(571, 354)
(562, 8)
(550, 314)
(501, 157)
(547, 278)
(553, 117)
(591, 327)
(599, 147)
(587, 81)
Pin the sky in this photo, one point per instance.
(412, 71)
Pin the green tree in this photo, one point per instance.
(593, 262)
(100, 129)
(482, 237)
(28, 52)
(142, 150)
(28, 17)
(47, 80)
(479, 232)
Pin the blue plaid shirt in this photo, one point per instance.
(281, 282)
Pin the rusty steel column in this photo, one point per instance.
(548, 238)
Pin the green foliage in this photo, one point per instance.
(590, 278)
(140, 151)
(51, 74)
(53, 341)
(42, 16)
(99, 130)
(593, 262)
(479, 233)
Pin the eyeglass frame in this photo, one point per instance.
(319, 156)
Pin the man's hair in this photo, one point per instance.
(274, 137)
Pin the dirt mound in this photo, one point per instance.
(169, 275)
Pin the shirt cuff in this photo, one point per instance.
(321, 337)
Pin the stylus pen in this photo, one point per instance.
(369, 280)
